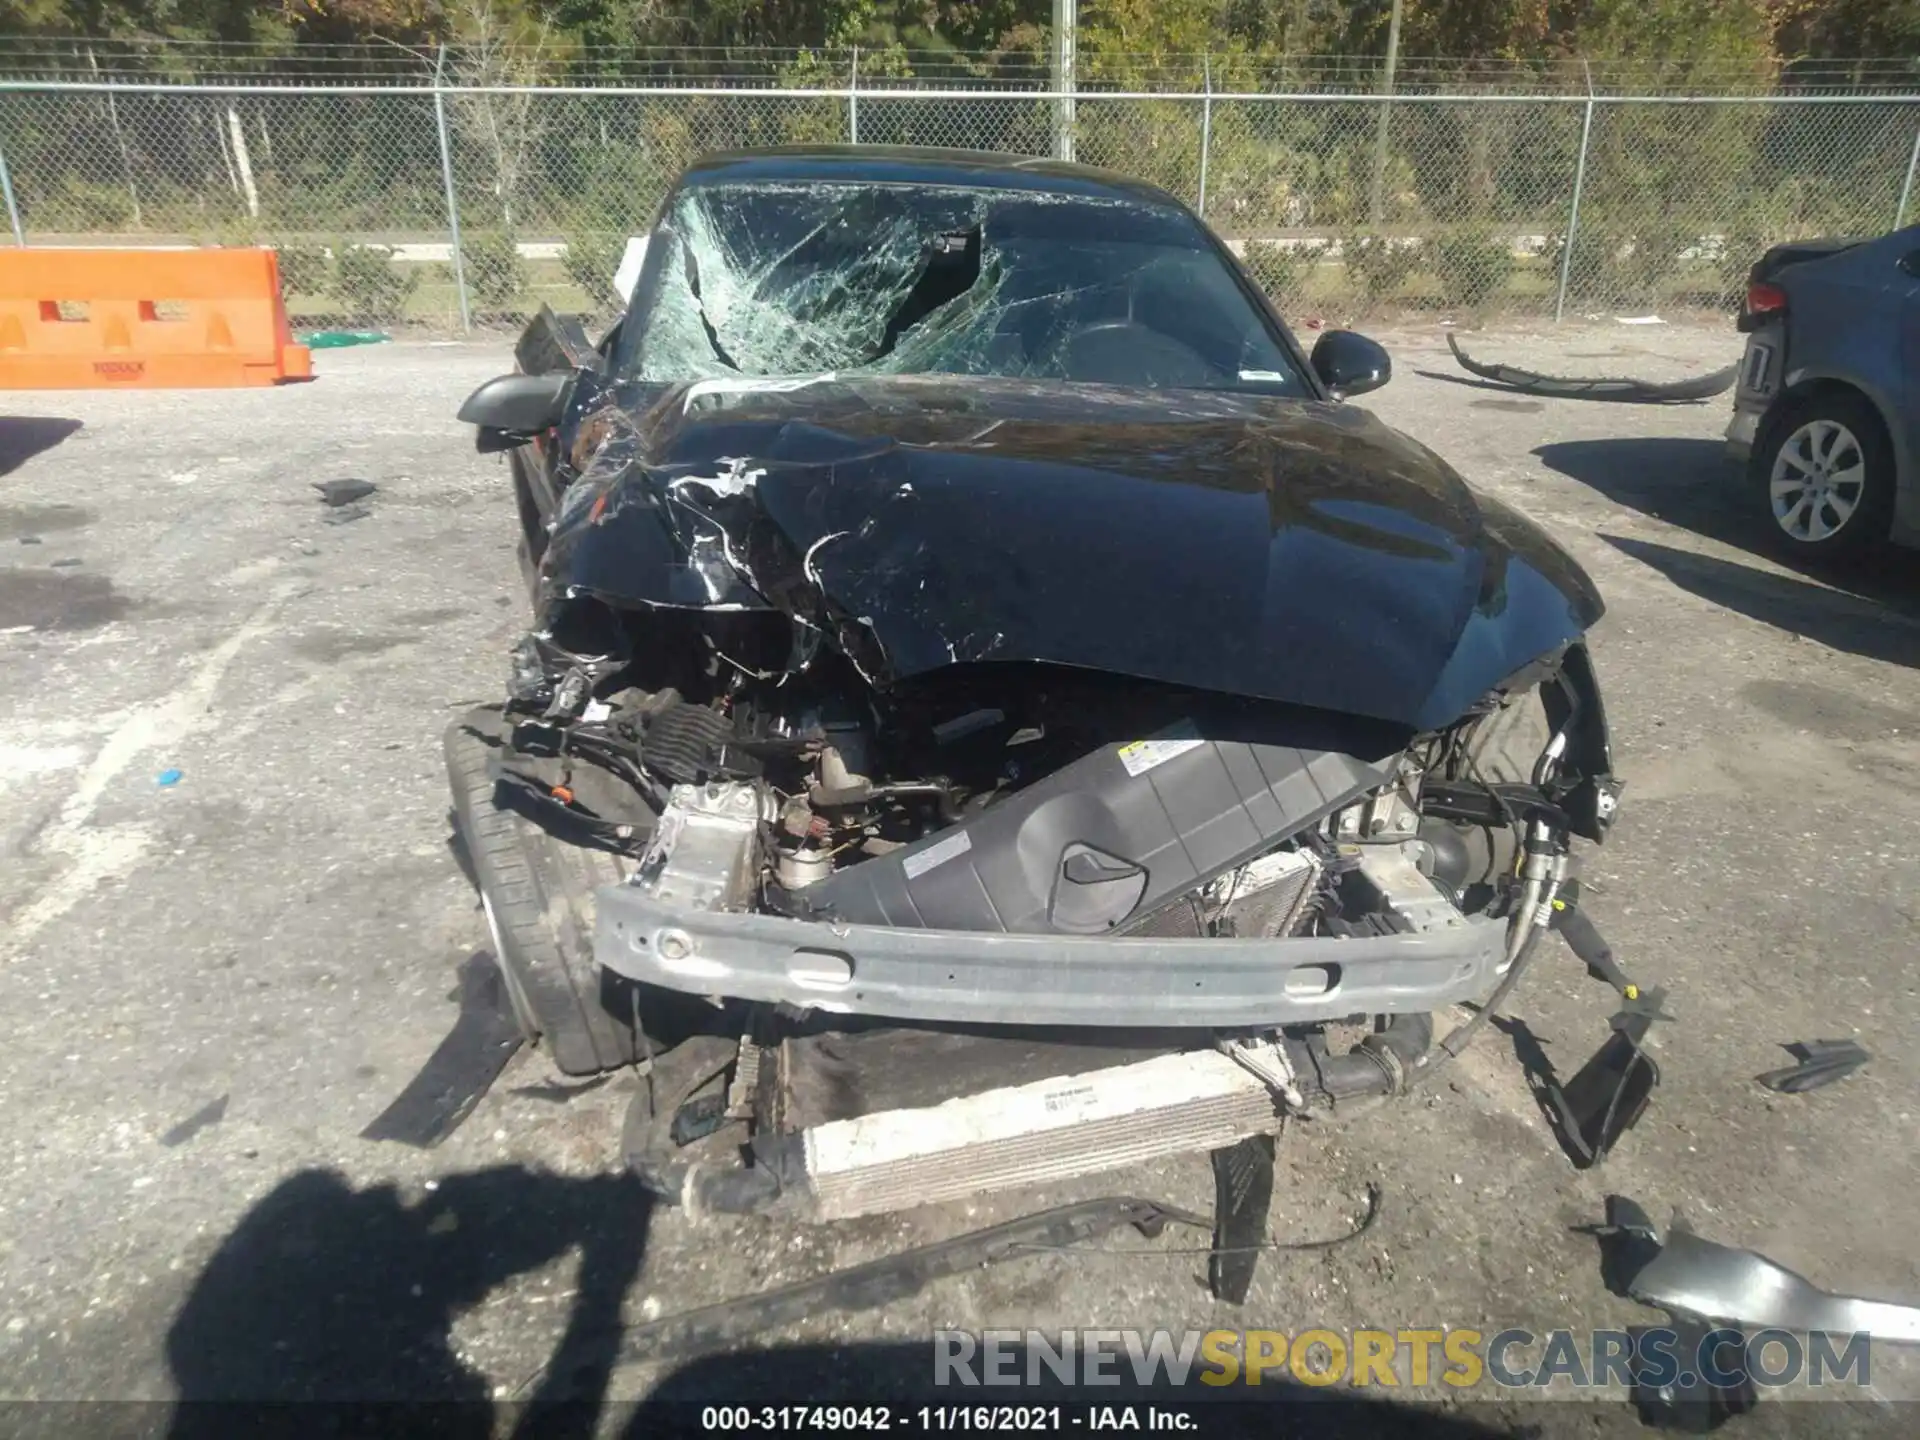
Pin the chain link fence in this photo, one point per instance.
(1524, 193)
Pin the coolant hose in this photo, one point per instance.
(1378, 1065)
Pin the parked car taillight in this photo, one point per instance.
(1765, 299)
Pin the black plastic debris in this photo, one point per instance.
(549, 1092)
(1607, 1096)
(1242, 1196)
(209, 1114)
(462, 1067)
(1821, 1063)
(31, 540)
(1627, 1242)
(1609, 1093)
(1667, 1396)
(1583, 937)
(698, 1118)
(67, 564)
(344, 492)
(1645, 392)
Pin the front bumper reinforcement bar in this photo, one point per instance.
(967, 977)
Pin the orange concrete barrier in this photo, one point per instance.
(154, 319)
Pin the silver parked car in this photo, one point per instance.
(1826, 413)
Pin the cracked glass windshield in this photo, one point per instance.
(764, 280)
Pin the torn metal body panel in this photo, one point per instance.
(1649, 392)
(969, 611)
(1288, 550)
(1693, 1276)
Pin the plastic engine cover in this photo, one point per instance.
(1109, 838)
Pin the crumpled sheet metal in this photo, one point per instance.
(915, 523)
(1695, 1276)
(1646, 392)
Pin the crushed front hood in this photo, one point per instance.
(1283, 549)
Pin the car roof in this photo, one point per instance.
(916, 165)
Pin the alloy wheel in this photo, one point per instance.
(1819, 479)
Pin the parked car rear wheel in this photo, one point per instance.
(1826, 470)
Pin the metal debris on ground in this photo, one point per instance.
(1645, 392)
(1821, 1062)
(1691, 1276)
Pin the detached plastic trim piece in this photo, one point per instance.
(980, 978)
(1821, 1062)
(1647, 392)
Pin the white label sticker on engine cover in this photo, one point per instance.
(1142, 755)
(955, 845)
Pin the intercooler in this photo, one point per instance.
(1078, 1120)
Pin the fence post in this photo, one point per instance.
(446, 175)
(1900, 211)
(1065, 44)
(853, 99)
(1206, 126)
(1573, 213)
(13, 208)
(120, 142)
(1377, 192)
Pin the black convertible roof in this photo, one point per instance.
(916, 165)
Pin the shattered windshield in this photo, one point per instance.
(770, 279)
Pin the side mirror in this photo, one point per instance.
(1350, 364)
(514, 408)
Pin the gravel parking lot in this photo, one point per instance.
(214, 984)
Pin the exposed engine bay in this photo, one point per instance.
(1045, 886)
(1074, 805)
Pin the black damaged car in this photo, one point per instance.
(992, 713)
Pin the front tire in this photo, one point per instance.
(1824, 470)
(537, 893)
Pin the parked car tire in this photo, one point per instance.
(1824, 470)
(537, 893)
